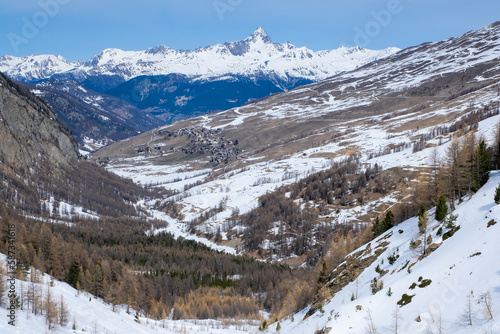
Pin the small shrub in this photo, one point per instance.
(413, 286)
(389, 292)
(420, 278)
(424, 283)
(451, 232)
(378, 270)
(405, 299)
(491, 223)
(392, 258)
(376, 285)
(450, 221)
(439, 231)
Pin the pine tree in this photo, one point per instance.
(483, 164)
(441, 209)
(376, 227)
(497, 195)
(73, 277)
(323, 276)
(388, 221)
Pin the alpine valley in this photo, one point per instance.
(361, 196)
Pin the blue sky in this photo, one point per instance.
(79, 29)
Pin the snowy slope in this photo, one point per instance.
(91, 315)
(257, 55)
(465, 263)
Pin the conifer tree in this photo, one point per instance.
(388, 221)
(376, 227)
(441, 209)
(483, 165)
(63, 313)
(497, 195)
(98, 281)
(73, 277)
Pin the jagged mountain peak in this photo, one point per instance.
(160, 49)
(259, 34)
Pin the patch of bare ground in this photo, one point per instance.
(295, 262)
(235, 243)
(345, 152)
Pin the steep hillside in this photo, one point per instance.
(94, 119)
(40, 164)
(30, 133)
(451, 289)
(87, 314)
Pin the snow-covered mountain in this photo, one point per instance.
(35, 67)
(257, 55)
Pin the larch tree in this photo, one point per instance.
(422, 226)
(3, 285)
(63, 313)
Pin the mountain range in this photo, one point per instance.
(170, 85)
(334, 181)
(254, 56)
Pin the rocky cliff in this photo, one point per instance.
(30, 134)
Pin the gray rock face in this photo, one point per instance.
(30, 134)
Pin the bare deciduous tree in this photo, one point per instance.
(371, 328)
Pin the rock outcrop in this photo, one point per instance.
(30, 134)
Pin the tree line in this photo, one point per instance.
(115, 259)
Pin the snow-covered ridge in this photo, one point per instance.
(463, 269)
(35, 67)
(255, 56)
